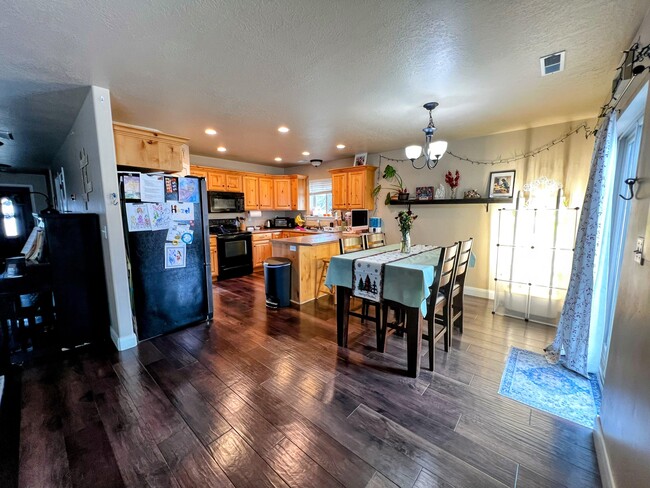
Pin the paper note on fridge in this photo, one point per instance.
(160, 216)
(152, 188)
(137, 216)
(176, 231)
(181, 211)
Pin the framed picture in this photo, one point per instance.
(502, 184)
(424, 192)
(360, 159)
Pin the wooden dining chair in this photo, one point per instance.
(458, 290)
(375, 240)
(439, 302)
(354, 244)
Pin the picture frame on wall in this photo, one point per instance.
(360, 159)
(502, 184)
(424, 193)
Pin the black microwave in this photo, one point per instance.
(225, 202)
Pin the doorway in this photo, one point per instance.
(16, 221)
(630, 128)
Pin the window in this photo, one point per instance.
(320, 197)
(9, 217)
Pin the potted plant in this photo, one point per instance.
(396, 184)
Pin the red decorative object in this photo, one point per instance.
(452, 180)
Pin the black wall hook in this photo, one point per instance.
(630, 183)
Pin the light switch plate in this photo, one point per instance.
(638, 251)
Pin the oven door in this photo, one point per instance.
(225, 202)
(235, 255)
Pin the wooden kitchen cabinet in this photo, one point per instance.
(214, 261)
(282, 193)
(298, 192)
(262, 248)
(199, 171)
(266, 193)
(233, 182)
(251, 192)
(216, 180)
(352, 187)
(145, 149)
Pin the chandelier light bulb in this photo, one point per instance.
(437, 149)
(413, 152)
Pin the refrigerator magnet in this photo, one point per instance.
(175, 256)
(188, 237)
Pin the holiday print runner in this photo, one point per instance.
(368, 273)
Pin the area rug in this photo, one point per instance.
(531, 380)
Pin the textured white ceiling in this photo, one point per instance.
(347, 71)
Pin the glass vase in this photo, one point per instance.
(405, 246)
(453, 193)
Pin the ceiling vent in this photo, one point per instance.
(553, 63)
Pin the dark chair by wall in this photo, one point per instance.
(458, 290)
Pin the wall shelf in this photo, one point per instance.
(457, 201)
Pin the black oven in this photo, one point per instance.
(225, 202)
(235, 255)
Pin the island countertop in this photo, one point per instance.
(309, 240)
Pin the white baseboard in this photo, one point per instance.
(123, 343)
(605, 468)
(479, 292)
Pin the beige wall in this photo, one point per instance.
(442, 224)
(625, 412)
(234, 165)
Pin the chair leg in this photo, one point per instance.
(431, 330)
(381, 327)
(461, 299)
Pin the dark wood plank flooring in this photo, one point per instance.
(265, 398)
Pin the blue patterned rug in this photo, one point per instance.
(530, 379)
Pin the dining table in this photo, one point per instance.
(406, 280)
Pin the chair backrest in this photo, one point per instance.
(375, 240)
(448, 267)
(464, 253)
(350, 244)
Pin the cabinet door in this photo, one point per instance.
(339, 190)
(282, 194)
(170, 156)
(214, 262)
(251, 193)
(356, 189)
(233, 182)
(136, 152)
(260, 250)
(266, 193)
(199, 171)
(216, 180)
(268, 250)
(299, 194)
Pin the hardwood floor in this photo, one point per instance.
(266, 398)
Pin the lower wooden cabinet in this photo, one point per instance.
(262, 250)
(214, 262)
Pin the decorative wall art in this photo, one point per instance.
(424, 193)
(502, 184)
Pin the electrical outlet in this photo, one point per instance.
(638, 251)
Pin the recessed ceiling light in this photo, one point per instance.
(278, 159)
(305, 153)
(221, 149)
(211, 132)
(283, 129)
(340, 146)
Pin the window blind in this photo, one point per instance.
(320, 186)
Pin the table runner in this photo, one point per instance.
(368, 272)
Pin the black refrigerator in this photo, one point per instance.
(168, 251)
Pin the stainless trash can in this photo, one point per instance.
(277, 282)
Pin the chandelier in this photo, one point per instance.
(433, 150)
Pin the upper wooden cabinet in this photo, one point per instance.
(266, 193)
(216, 180)
(352, 187)
(146, 149)
(298, 192)
(199, 171)
(234, 182)
(251, 192)
(282, 193)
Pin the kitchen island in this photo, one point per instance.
(306, 254)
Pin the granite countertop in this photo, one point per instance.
(282, 229)
(315, 239)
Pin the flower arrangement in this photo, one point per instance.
(405, 220)
(452, 179)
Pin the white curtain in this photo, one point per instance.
(579, 333)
